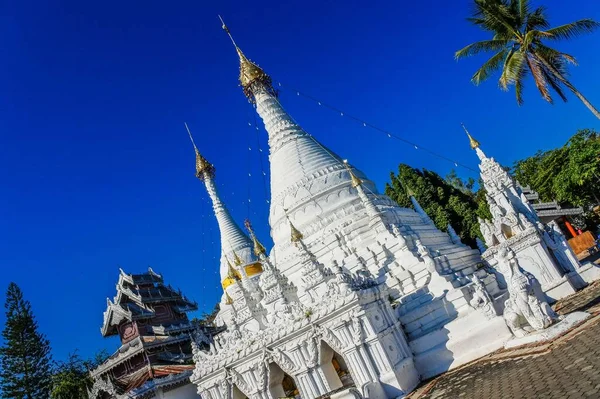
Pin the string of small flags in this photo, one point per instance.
(366, 124)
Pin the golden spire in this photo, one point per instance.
(296, 235)
(355, 180)
(474, 143)
(259, 249)
(228, 299)
(203, 167)
(237, 260)
(231, 272)
(250, 73)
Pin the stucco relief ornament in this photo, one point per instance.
(487, 232)
(328, 336)
(283, 361)
(524, 311)
(312, 352)
(262, 374)
(496, 210)
(363, 279)
(239, 381)
(205, 393)
(357, 330)
(481, 298)
(342, 279)
(225, 389)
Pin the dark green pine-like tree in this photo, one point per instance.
(449, 201)
(25, 361)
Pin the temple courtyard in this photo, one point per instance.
(566, 367)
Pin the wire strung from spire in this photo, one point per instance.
(249, 168)
(381, 130)
(260, 158)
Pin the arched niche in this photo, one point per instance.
(281, 384)
(334, 368)
(507, 231)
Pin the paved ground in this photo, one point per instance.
(568, 367)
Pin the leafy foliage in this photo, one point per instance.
(518, 41)
(71, 379)
(569, 174)
(207, 319)
(25, 362)
(449, 201)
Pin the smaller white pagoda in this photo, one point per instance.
(541, 249)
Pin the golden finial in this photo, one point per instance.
(228, 299)
(203, 167)
(231, 272)
(355, 180)
(250, 73)
(259, 249)
(296, 235)
(237, 260)
(474, 143)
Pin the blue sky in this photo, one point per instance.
(98, 171)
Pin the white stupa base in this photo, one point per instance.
(551, 332)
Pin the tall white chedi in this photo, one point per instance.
(239, 268)
(539, 249)
(357, 298)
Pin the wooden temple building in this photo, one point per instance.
(155, 356)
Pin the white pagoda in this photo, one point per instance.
(357, 298)
(541, 249)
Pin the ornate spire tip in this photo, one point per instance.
(356, 181)
(204, 168)
(251, 75)
(474, 143)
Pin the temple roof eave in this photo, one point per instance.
(133, 348)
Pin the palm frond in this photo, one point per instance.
(489, 66)
(519, 85)
(495, 16)
(557, 59)
(537, 20)
(477, 47)
(539, 79)
(512, 67)
(521, 9)
(574, 29)
(554, 83)
(531, 37)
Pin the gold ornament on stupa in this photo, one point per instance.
(252, 77)
(474, 143)
(259, 249)
(228, 299)
(204, 168)
(356, 181)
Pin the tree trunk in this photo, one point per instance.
(569, 85)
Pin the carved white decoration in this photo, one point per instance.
(523, 308)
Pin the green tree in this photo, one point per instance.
(25, 369)
(71, 378)
(448, 201)
(519, 34)
(569, 174)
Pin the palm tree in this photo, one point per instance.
(518, 35)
